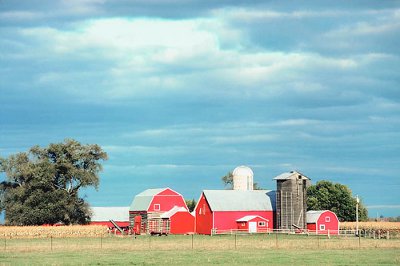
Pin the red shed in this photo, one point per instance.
(150, 205)
(219, 210)
(253, 224)
(181, 220)
(322, 222)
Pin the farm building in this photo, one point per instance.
(220, 210)
(104, 216)
(253, 224)
(181, 220)
(322, 222)
(160, 211)
(291, 200)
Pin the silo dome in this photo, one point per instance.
(242, 178)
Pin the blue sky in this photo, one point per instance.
(180, 92)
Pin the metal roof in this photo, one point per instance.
(171, 212)
(290, 175)
(101, 214)
(249, 218)
(239, 200)
(142, 201)
(312, 216)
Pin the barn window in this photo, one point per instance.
(261, 223)
(327, 219)
(156, 207)
(321, 227)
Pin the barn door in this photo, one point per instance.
(252, 227)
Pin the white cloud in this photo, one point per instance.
(146, 57)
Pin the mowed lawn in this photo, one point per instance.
(200, 250)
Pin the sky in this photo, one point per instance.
(179, 93)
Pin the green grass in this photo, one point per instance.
(200, 257)
(177, 250)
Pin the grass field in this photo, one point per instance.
(199, 250)
(202, 257)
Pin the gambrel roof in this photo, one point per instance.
(142, 201)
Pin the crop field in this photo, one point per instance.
(275, 249)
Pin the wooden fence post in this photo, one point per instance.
(235, 240)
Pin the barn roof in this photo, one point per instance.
(171, 212)
(291, 175)
(142, 201)
(101, 214)
(249, 218)
(313, 216)
(239, 200)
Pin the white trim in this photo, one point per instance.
(322, 227)
(159, 207)
(213, 225)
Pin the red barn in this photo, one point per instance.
(219, 210)
(322, 222)
(148, 206)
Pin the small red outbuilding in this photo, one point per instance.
(322, 222)
(180, 219)
(253, 224)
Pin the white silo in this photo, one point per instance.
(242, 178)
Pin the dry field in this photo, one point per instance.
(52, 231)
(376, 229)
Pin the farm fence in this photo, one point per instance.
(228, 241)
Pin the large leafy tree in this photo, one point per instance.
(325, 195)
(42, 185)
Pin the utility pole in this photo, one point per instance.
(358, 201)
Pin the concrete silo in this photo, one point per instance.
(242, 178)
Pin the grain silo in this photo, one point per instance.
(242, 178)
(291, 200)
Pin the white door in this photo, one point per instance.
(252, 227)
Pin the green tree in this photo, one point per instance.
(325, 195)
(227, 180)
(42, 185)
(191, 204)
